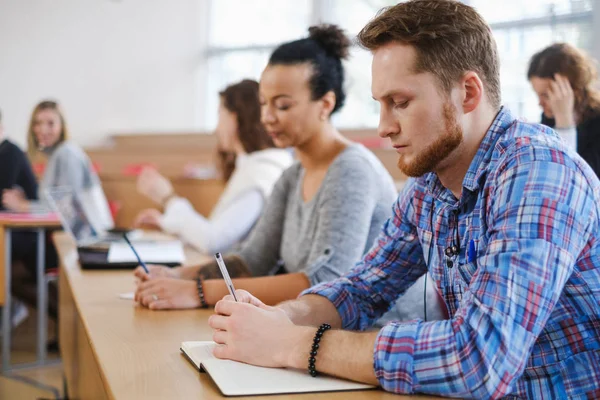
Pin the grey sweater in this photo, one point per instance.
(327, 235)
(69, 166)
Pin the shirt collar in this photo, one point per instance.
(481, 161)
(479, 165)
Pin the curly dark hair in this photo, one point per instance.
(324, 48)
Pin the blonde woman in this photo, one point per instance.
(68, 165)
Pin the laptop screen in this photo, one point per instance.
(70, 210)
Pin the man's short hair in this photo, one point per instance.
(450, 38)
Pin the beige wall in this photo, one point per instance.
(115, 65)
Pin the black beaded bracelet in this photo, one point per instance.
(315, 347)
(200, 289)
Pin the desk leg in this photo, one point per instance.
(6, 320)
(42, 300)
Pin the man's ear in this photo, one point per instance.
(472, 91)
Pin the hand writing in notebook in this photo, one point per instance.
(241, 344)
(244, 296)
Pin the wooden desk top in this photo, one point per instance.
(20, 220)
(138, 349)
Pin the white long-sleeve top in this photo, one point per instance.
(238, 208)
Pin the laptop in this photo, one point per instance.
(100, 249)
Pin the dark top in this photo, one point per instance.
(15, 170)
(588, 140)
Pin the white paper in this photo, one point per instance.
(127, 296)
(253, 380)
(157, 252)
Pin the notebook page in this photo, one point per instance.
(239, 379)
(171, 251)
(198, 352)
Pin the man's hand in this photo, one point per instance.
(167, 294)
(244, 296)
(562, 101)
(251, 332)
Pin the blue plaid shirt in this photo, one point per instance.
(523, 292)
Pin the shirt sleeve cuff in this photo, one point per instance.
(393, 356)
(176, 210)
(340, 298)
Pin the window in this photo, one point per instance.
(264, 24)
(521, 28)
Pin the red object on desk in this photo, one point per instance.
(136, 169)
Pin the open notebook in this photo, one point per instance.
(238, 379)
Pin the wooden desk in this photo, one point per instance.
(39, 224)
(112, 349)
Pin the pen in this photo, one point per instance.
(143, 264)
(472, 254)
(225, 274)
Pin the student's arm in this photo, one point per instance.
(264, 336)
(348, 198)
(165, 292)
(213, 235)
(270, 289)
(261, 250)
(16, 171)
(511, 296)
(64, 168)
(26, 178)
(393, 264)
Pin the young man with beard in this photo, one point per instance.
(503, 215)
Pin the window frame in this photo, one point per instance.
(321, 11)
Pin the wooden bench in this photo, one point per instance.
(119, 165)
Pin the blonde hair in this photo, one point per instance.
(32, 145)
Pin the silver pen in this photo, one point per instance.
(225, 274)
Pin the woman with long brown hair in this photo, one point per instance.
(564, 79)
(326, 209)
(249, 164)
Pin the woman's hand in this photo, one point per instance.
(167, 294)
(157, 271)
(148, 218)
(154, 186)
(562, 102)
